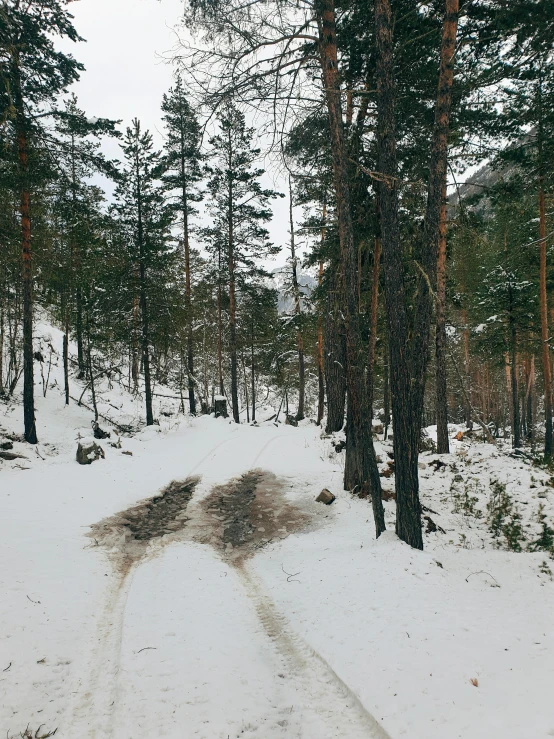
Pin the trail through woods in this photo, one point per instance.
(196, 589)
(285, 687)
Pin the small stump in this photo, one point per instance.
(220, 406)
(89, 453)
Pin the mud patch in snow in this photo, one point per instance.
(127, 534)
(249, 512)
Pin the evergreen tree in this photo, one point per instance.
(145, 220)
(183, 173)
(239, 206)
(34, 73)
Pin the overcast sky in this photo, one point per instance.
(125, 75)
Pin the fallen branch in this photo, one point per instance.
(123, 429)
(34, 601)
(7, 668)
(144, 648)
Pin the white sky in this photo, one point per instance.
(125, 76)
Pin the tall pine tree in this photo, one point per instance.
(183, 173)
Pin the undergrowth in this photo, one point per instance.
(504, 519)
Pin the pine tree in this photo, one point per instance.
(145, 220)
(183, 173)
(239, 206)
(34, 73)
(78, 158)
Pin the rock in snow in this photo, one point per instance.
(326, 496)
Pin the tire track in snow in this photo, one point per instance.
(322, 691)
(91, 715)
(325, 693)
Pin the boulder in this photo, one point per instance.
(89, 453)
(326, 496)
(291, 421)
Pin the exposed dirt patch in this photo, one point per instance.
(237, 518)
(248, 513)
(128, 533)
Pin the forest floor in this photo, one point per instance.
(196, 589)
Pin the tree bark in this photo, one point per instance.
(219, 328)
(443, 444)
(66, 355)
(232, 298)
(144, 308)
(408, 358)
(467, 405)
(320, 375)
(334, 357)
(373, 321)
(146, 346)
(546, 373)
(298, 311)
(188, 302)
(359, 440)
(252, 371)
(26, 264)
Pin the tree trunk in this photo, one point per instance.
(359, 440)
(408, 361)
(246, 400)
(528, 403)
(91, 378)
(188, 302)
(334, 356)
(546, 373)
(219, 328)
(66, 355)
(232, 302)
(26, 266)
(252, 371)
(386, 400)
(144, 308)
(2, 334)
(373, 321)
(79, 329)
(320, 375)
(297, 311)
(516, 430)
(146, 347)
(467, 404)
(443, 445)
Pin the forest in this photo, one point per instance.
(410, 303)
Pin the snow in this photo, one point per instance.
(324, 633)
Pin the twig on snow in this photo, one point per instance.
(482, 572)
(142, 650)
(7, 668)
(33, 601)
(290, 575)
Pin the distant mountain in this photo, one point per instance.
(281, 280)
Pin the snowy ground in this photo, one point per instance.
(321, 633)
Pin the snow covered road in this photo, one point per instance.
(322, 633)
